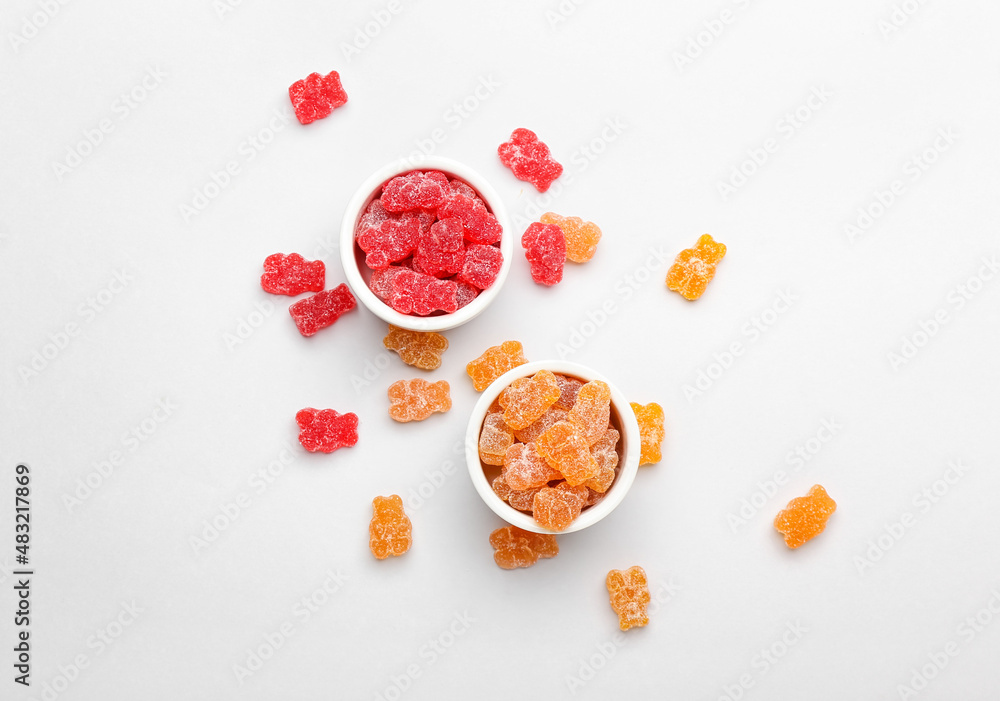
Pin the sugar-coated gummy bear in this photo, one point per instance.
(325, 430)
(421, 349)
(556, 509)
(591, 411)
(541, 425)
(440, 251)
(415, 190)
(566, 450)
(516, 547)
(605, 454)
(392, 241)
(316, 96)
(629, 593)
(465, 293)
(694, 267)
(416, 400)
(481, 226)
(545, 248)
(292, 275)
(523, 499)
(805, 517)
(461, 188)
(494, 439)
(529, 159)
(581, 237)
(322, 309)
(495, 361)
(410, 292)
(481, 266)
(524, 468)
(527, 398)
(500, 487)
(569, 387)
(650, 418)
(390, 532)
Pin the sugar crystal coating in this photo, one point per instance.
(440, 251)
(410, 292)
(527, 398)
(694, 267)
(569, 387)
(494, 439)
(629, 594)
(524, 468)
(605, 454)
(465, 293)
(421, 349)
(805, 517)
(516, 547)
(529, 159)
(545, 248)
(531, 432)
(416, 400)
(581, 237)
(316, 96)
(390, 242)
(326, 430)
(495, 361)
(592, 410)
(390, 532)
(292, 275)
(322, 309)
(480, 225)
(523, 499)
(650, 418)
(556, 509)
(415, 190)
(566, 450)
(481, 266)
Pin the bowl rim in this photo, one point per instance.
(348, 254)
(629, 451)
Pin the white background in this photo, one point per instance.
(873, 615)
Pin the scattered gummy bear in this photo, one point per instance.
(325, 430)
(316, 96)
(529, 159)
(545, 248)
(494, 439)
(650, 418)
(516, 547)
(390, 531)
(421, 349)
(566, 450)
(694, 267)
(292, 275)
(556, 509)
(416, 400)
(527, 398)
(581, 236)
(322, 309)
(629, 593)
(591, 411)
(805, 517)
(415, 190)
(495, 361)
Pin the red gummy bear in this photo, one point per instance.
(393, 240)
(441, 250)
(481, 267)
(322, 309)
(545, 248)
(415, 190)
(529, 159)
(325, 430)
(480, 224)
(292, 275)
(316, 96)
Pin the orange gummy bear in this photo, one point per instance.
(524, 468)
(629, 593)
(531, 433)
(568, 389)
(805, 517)
(591, 411)
(556, 509)
(494, 362)
(421, 349)
(605, 454)
(694, 267)
(494, 440)
(523, 499)
(516, 547)
(581, 236)
(390, 531)
(650, 418)
(528, 398)
(416, 400)
(566, 450)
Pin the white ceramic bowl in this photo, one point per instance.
(353, 258)
(622, 418)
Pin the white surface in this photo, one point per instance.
(669, 137)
